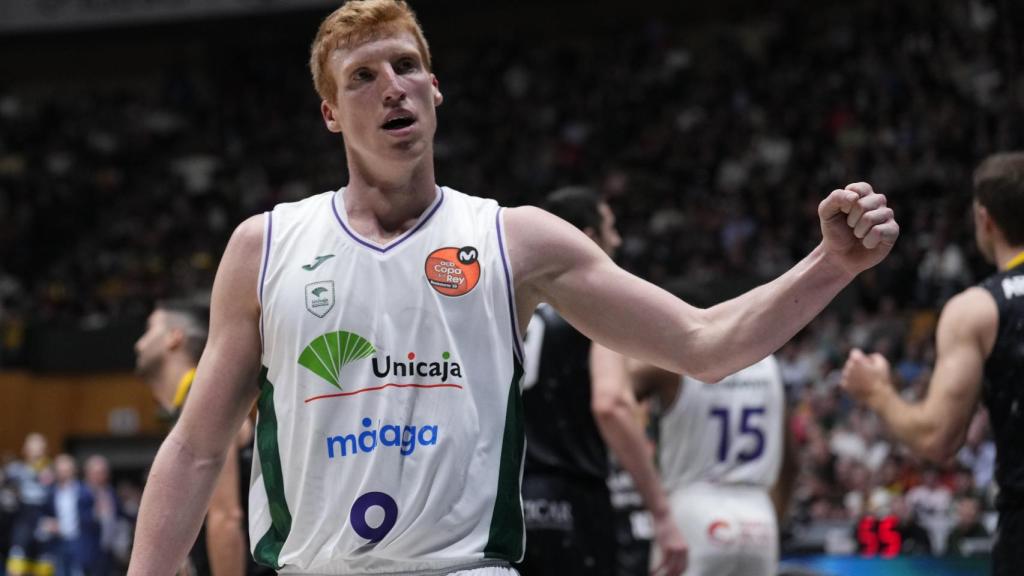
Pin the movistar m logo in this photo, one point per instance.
(317, 262)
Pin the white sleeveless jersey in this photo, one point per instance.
(389, 436)
(725, 433)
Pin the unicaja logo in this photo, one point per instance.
(404, 438)
(327, 354)
(411, 367)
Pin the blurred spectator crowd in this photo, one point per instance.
(714, 143)
(55, 520)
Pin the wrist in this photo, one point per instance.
(881, 397)
(661, 512)
(832, 263)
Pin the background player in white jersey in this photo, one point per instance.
(372, 69)
(721, 448)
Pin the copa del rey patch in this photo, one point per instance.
(453, 271)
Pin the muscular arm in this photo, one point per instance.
(554, 262)
(935, 427)
(186, 468)
(614, 408)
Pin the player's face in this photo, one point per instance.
(983, 233)
(608, 238)
(150, 347)
(384, 100)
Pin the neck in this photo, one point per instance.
(165, 382)
(384, 203)
(1008, 256)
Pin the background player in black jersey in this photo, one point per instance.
(166, 358)
(979, 354)
(574, 403)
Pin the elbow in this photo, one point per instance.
(708, 371)
(710, 376)
(699, 359)
(940, 448)
(608, 409)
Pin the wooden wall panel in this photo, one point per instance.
(63, 406)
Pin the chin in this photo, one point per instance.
(408, 150)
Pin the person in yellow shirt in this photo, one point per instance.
(166, 357)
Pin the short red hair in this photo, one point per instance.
(357, 22)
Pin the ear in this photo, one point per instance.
(175, 338)
(982, 218)
(330, 119)
(438, 97)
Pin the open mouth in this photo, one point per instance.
(398, 123)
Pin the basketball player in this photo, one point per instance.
(979, 355)
(382, 322)
(165, 358)
(571, 410)
(721, 448)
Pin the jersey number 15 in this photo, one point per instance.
(751, 425)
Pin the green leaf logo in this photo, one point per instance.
(318, 291)
(326, 354)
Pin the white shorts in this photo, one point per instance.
(731, 530)
(481, 571)
(487, 571)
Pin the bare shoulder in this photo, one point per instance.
(240, 265)
(245, 246)
(529, 227)
(542, 245)
(971, 314)
(248, 236)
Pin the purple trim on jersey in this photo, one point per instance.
(403, 238)
(266, 262)
(508, 288)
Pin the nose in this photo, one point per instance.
(393, 91)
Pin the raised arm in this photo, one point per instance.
(554, 262)
(191, 457)
(614, 408)
(936, 427)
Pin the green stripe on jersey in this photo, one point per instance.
(505, 540)
(268, 549)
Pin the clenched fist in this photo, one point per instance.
(858, 229)
(866, 377)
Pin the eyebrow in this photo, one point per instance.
(402, 53)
